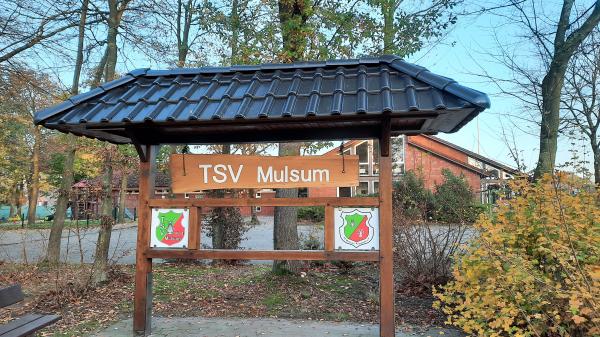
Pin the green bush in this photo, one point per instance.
(312, 213)
(411, 198)
(453, 200)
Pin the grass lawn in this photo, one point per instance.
(322, 292)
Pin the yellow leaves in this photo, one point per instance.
(534, 270)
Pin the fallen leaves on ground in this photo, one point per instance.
(324, 292)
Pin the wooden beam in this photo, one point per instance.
(241, 202)
(227, 254)
(195, 228)
(142, 307)
(386, 234)
(329, 228)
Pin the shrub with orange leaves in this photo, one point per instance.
(534, 270)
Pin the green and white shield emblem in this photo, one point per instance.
(356, 228)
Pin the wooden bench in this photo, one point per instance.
(25, 325)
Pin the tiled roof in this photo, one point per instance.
(477, 156)
(306, 91)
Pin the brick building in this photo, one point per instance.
(428, 156)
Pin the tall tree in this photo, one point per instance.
(293, 17)
(582, 96)
(571, 29)
(402, 28)
(64, 191)
(27, 25)
(116, 10)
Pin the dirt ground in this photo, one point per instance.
(321, 292)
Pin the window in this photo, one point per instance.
(257, 209)
(186, 195)
(375, 187)
(398, 152)
(363, 188)
(362, 150)
(303, 192)
(344, 192)
(257, 195)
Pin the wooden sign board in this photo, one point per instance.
(169, 228)
(195, 172)
(356, 228)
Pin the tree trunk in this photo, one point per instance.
(114, 19)
(64, 192)
(17, 196)
(387, 10)
(122, 198)
(551, 92)
(285, 224)
(596, 152)
(293, 15)
(62, 203)
(34, 185)
(100, 267)
(218, 238)
(234, 21)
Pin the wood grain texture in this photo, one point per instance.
(11, 295)
(143, 264)
(329, 228)
(226, 254)
(240, 202)
(194, 230)
(195, 172)
(386, 233)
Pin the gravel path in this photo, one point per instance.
(220, 327)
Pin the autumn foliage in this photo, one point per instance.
(534, 270)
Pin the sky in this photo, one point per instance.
(463, 54)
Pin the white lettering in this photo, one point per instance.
(220, 170)
(280, 178)
(265, 177)
(235, 177)
(294, 176)
(205, 167)
(306, 179)
(320, 173)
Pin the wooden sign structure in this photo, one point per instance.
(335, 100)
(196, 172)
(371, 243)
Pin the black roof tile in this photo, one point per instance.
(299, 91)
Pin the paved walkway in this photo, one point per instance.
(220, 327)
(122, 242)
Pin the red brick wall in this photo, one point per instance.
(430, 167)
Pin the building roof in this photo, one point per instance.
(483, 173)
(477, 156)
(337, 99)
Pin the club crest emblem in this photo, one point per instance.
(356, 228)
(169, 228)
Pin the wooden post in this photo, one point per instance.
(386, 233)
(329, 228)
(142, 309)
(195, 228)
